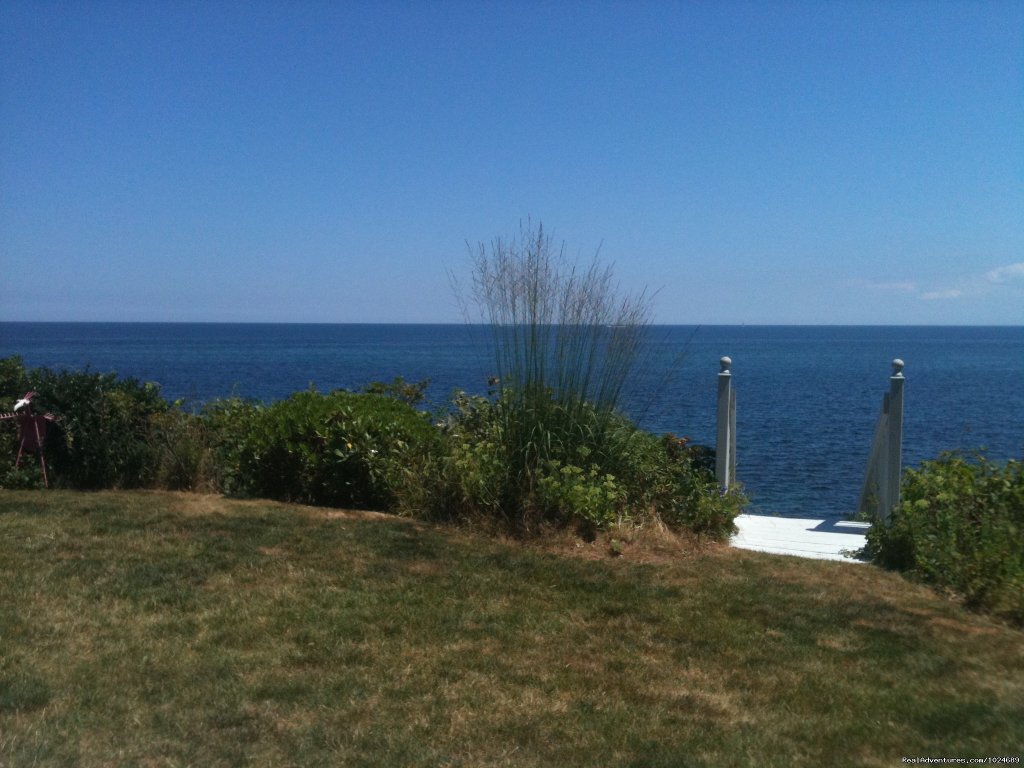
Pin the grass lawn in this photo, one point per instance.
(160, 629)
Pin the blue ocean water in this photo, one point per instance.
(808, 396)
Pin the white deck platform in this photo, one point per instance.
(816, 538)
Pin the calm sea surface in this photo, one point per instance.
(808, 396)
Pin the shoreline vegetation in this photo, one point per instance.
(546, 448)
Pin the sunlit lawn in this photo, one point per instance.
(170, 630)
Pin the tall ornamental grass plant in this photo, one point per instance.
(550, 445)
(565, 341)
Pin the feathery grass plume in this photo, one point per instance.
(565, 343)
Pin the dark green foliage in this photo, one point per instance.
(14, 382)
(960, 526)
(340, 449)
(677, 481)
(400, 389)
(228, 423)
(102, 436)
(588, 468)
(545, 459)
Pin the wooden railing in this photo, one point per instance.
(880, 494)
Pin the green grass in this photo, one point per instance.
(159, 629)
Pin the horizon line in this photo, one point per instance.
(486, 324)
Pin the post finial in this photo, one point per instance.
(897, 368)
(725, 362)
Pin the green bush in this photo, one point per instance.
(593, 471)
(102, 436)
(960, 526)
(341, 448)
(676, 480)
(14, 381)
(470, 478)
(593, 498)
(522, 462)
(412, 393)
(227, 424)
(13, 384)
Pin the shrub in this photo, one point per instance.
(676, 481)
(400, 389)
(960, 526)
(103, 440)
(13, 384)
(549, 457)
(340, 449)
(629, 477)
(227, 423)
(102, 437)
(588, 496)
(14, 381)
(468, 477)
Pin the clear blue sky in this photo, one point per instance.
(769, 162)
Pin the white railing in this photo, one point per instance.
(725, 446)
(880, 493)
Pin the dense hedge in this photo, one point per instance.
(960, 526)
(338, 449)
(102, 438)
(585, 468)
(574, 465)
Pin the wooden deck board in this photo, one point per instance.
(818, 538)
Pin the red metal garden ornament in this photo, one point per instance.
(31, 430)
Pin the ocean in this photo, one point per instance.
(807, 396)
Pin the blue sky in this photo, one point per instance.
(771, 162)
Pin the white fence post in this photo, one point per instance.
(725, 444)
(881, 490)
(894, 459)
